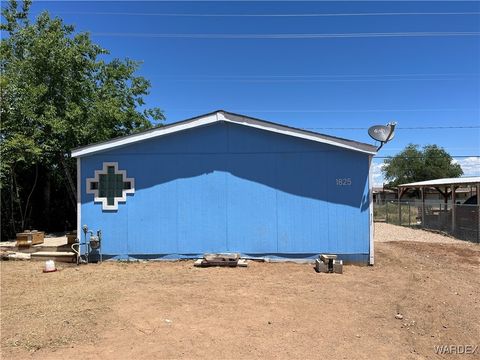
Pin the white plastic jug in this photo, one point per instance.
(49, 266)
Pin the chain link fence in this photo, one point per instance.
(432, 215)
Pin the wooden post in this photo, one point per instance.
(422, 190)
(399, 192)
(453, 208)
(445, 195)
(409, 215)
(386, 211)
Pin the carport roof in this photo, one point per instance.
(473, 180)
(224, 116)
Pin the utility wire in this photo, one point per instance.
(339, 111)
(319, 78)
(109, 13)
(398, 128)
(286, 36)
(449, 148)
(307, 76)
(292, 81)
(430, 157)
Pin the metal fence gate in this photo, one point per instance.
(432, 215)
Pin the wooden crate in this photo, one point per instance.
(28, 238)
(71, 237)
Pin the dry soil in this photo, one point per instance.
(172, 310)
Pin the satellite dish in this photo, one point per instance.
(382, 133)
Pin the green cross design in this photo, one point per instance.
(111, 185)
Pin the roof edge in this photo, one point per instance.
(222, 115)
(444, 181)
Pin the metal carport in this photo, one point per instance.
(446, 187)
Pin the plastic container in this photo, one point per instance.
(49, 266)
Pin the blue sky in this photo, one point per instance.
(316, 83)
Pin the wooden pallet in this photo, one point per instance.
(230, 260)
(203, 263)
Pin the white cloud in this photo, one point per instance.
(470, 165)
(377, 175)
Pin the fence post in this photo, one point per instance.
(399, 212)
(386, 211)
(409, 215)
(423, 206)
(454, 208)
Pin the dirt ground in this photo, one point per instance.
(172, 310)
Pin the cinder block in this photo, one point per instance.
(320, 266)
(338, 266)
(326, 257)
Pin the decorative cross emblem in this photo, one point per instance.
(110, 186)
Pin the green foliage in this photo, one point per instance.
(413, 164)
(58, 93)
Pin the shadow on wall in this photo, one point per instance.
(231, 159)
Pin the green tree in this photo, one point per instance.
(413, 164)
(57, 93)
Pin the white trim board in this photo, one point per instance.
(371, 224)
(79, 204)
(226, 117)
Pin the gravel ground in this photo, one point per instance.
(387, 232)
(419, 294)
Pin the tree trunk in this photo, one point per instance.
(27, 212)
(70, 185)
(17, 199)
(12, 209)
(46, 200)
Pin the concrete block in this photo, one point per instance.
(326, 257)
(320, 266)
(338, 266)
(242, 263)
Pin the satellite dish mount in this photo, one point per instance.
(382, 133)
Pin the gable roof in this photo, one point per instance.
(219, 116)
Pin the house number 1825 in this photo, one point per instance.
(344, 182)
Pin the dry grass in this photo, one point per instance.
(51, 310)
(173, 310)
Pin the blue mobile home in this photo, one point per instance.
(224, 182)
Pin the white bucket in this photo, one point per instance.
(49, 266)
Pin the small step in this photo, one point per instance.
(43, 248)
(67, 256)
(60, 248)
(11, 255)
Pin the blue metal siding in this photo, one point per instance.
(201, 206)
(302, 217)
(252, 223)
(348, 224)
(227, 187)
(158, 218)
